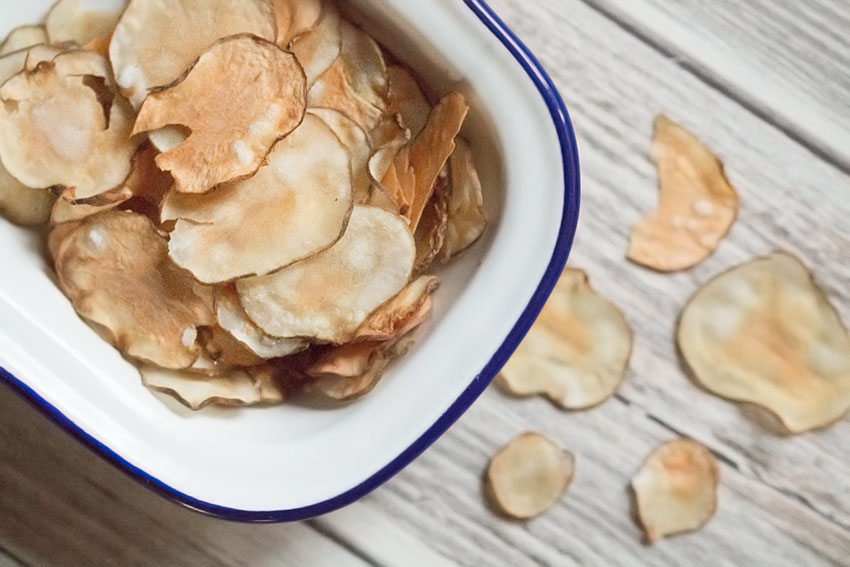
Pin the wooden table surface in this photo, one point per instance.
(767, 84)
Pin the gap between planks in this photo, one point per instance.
(721, 69)
(720, 454)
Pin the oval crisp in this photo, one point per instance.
(114, 267)
(764, 333)
(576, 353)
(328, 296)
(528, 476)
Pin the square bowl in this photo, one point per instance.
(295, 461)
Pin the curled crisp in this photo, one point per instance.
(61, 124)
(697, 204)
(415, 168)
(239, 98)
(237, 388)
(68, 21)
(23, 37)
(155, 41)
(676, 489)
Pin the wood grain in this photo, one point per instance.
(62, 505)
(783, 502)
(786, 61)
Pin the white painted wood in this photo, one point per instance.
(783, 502)
(381, 537)
(788, 60)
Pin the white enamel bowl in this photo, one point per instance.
(294, 462)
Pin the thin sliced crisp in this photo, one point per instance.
(293, 208)
(114, 268)
(295, 17)
(405, 116)
(168, 138)
(765, 333)
(317, 49)
(12, 63)
(147, 181)
(38, 53)
(430, 235)
(406, 99)
(357, 144)
(676, 489)
(577, 352)
(364, 65)
(354, 83)
(332, 90)
(55, 130)
(417, 165)
(392, 319)
(23, 37)
(141, 192)
(697, 205)
(223, 353)
(467, 218)
(69, 21)
(351, 371)
(528, 476)
(155, 41)
(387, 141)
(237, 388)
(381, 195)
(241, 96)
(347, 372)
(233, 319)
(328, 296)
(99, 45)
(68, 209)
(22, 205)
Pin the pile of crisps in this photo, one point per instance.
(242, 196)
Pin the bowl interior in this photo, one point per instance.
(299, 455)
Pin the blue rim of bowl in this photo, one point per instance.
(569, 223)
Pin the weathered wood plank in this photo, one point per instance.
(789, 61)
(381, 537)
(754, 525)
(62, 505)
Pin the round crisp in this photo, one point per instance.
(114, 267)
(328, 296)
(529, 475)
